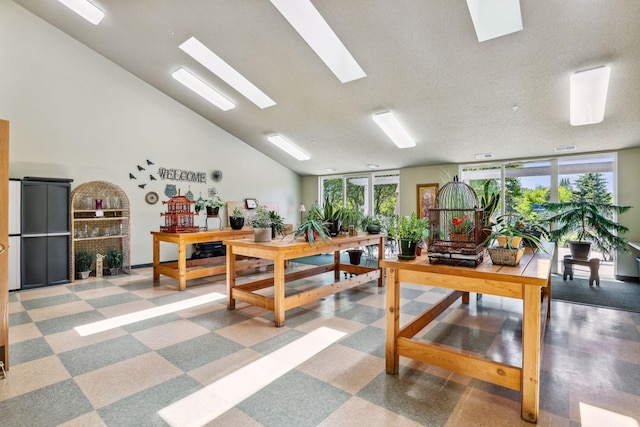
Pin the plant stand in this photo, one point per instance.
(593, 264)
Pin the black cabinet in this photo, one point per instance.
(46, 232)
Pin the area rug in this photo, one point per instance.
(610, 293)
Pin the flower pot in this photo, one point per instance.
(515, 241)
(84, 274)
(334, 227)
(212, 211)
(407, 249)
(579, 250)
(316, 236)
(373, 229)
(236, 223)
(113, 271)
(505, 256)
(262, 234)
(355, 255)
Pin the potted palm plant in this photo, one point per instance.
(261, 223)
(586, 222)
(82, 262)
(313, 226)
(236, 220)
(407, 231)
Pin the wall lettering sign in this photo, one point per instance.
(182, 175)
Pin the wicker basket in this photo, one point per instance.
(504, 256)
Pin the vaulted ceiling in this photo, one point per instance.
(456, 96)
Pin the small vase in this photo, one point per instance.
(98, 204)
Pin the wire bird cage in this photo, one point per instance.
(455, 225)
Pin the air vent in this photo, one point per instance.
(484, 156)
(564, 148)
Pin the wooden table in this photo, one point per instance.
(280, 250)
(529, 281)
(184, 269)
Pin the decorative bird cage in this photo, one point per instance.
(179, 218)
(455, 225)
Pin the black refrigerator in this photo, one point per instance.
(45, 232)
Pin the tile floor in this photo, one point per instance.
(129, 375)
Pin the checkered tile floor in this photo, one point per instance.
(125, 376)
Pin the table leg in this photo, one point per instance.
(336, 266)
(182, 266)
(393, 321)
(278, 290)
(380, 258)
(531, 349)
(156, 259)
(231, 278)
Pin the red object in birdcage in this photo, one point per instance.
(179, 218)
(455, 225)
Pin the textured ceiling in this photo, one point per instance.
(422, 59)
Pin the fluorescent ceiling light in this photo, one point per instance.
(495, 18)
(217, 66)
(287, 146)
(588, 96)
(394, 130)
(312, 27)
(85, 9)
(202, 89)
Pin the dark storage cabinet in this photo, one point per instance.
(45, 232)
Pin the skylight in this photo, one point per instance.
(85, 9)
(285, 145)
(394, 130)
(203, 89)
(588, 96)
(495, 18)
(312, 27)
(198, 51)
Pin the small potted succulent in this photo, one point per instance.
(236, 220)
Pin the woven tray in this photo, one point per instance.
(504, 256)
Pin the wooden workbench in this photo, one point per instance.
(184, 269)
(529, 281)
(278, 251)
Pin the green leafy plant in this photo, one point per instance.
(407, 228)
(237, 212)
(331, 212)
(489, 201)
(214, 202)
(461, 224)
(83, 260)
(351, 217)
(313, 226)
(277, 222)
(513, 230)
(114, 258)
(261, 218)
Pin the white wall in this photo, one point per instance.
(74, 114)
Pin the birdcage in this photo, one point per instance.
(179, 218)
(455, 225)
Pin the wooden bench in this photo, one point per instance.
(593, 264)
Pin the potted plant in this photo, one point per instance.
(114, 260)
(489, 201)
(83, 261)
(213, 205)
(586, 222)
(333, 216)
(351, 219)
(509, 233)
(407, 231)
(371, 224)
(313, 227)
(261, 223)
(236, 220)
(277, 224)
(460, 228)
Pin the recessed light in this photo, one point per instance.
(85, 9)
(394, 130)
(312, 27)
(563, 148)
(372, 166)
(285, 145)
(484, 156)
(588, 96)
(495, 18)
(198, 51)
(331, 170)
(203, 89)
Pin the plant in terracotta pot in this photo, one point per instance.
(236, 220)
(313, 227)
(407, 231)
(584, 222)
(261, 223)
(82, 263)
